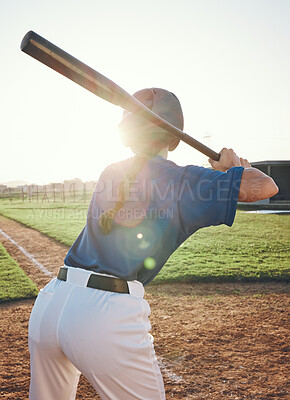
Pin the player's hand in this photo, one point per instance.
(245, 163)
(228, 159)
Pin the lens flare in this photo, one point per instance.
(139, 236)
(149, 263)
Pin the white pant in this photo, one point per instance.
(74, 329)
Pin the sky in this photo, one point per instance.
(228, 62)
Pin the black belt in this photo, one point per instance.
(100, 282)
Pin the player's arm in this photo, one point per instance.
(255, 185)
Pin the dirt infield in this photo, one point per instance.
(213, 341)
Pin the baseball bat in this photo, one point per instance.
(67, 65)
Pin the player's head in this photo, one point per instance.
(144, 136)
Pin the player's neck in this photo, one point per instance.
(163, 152)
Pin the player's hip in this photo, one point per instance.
(70, 305)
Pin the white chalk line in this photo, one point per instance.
(28, 255)
(163, 364)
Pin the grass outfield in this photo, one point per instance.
(14, 284)
(257, 247)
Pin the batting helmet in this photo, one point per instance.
(133, 127)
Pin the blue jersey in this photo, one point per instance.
(164, 205)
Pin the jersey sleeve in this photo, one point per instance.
(208, 197)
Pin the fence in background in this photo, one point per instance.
(52, 193)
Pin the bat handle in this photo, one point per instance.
(213, 155)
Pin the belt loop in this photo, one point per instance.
(136, 289)
(78, 276)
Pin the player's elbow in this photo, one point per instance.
(255, 188)
(268, 188)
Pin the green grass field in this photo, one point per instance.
(14, 284)
(257, 247)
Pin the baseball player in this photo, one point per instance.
(93, 319)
